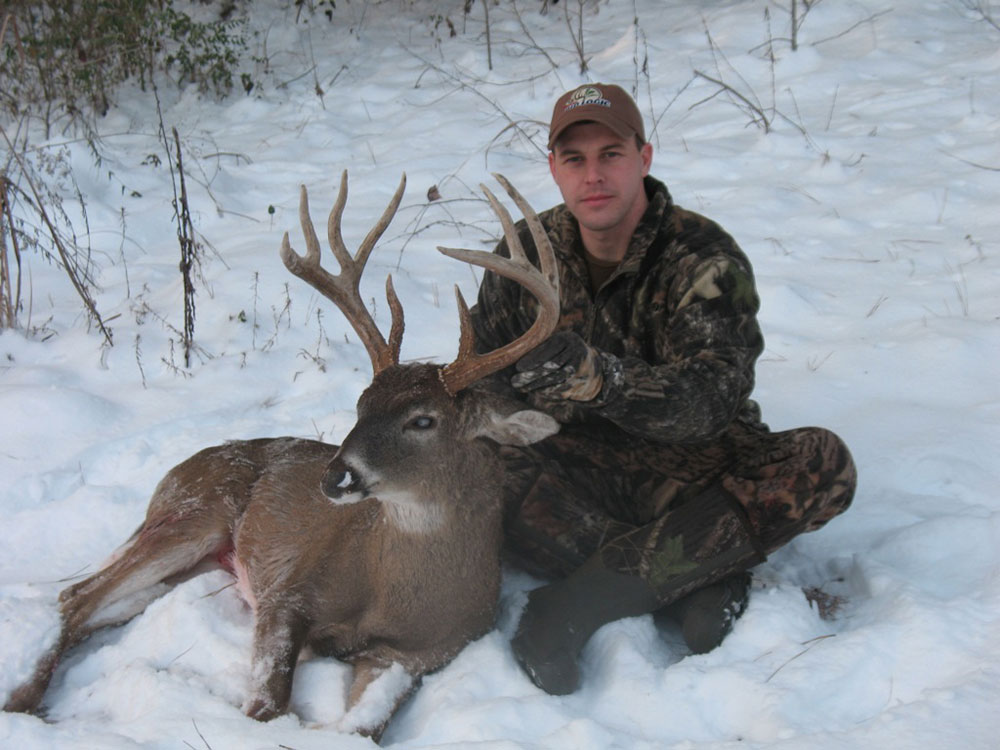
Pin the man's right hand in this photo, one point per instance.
(564, 366)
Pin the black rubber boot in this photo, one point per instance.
(560, 618)
(707, 616)
(703, 541)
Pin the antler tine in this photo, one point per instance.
(546, 255)
(343, 289)
(382, 224)
(467, 342)
(396, 331)
(353, 268)
(542, 283)
(467, 339)
(334, 236)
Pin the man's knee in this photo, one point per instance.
(796, 482)
(827, 488)
(837, 475)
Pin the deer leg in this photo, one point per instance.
(279, 634)
(160, 549)
(369, 710)
(27, 696)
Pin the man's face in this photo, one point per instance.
(600, 176)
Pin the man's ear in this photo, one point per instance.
(646, 154)
(552, 163)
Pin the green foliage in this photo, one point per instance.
(204, 54)
(68, 58)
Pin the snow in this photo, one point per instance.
(866, 209)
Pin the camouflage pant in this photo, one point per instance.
(571, 495)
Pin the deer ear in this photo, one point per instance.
(520, 428)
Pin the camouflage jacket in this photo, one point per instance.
(675, 323)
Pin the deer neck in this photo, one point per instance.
(410, 515)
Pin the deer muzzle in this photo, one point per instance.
(342, 484)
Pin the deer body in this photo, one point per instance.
(384, 550)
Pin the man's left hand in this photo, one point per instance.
(564, 366)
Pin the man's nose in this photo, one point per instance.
(593, 172)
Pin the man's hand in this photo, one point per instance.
(563, 366)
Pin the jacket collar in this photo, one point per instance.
(660, 206)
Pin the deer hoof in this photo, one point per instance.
(261, 709)
(25, 700)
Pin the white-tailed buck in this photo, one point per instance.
(383, 551)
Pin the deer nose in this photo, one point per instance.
(340, 480)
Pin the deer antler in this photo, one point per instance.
(542, 282)
(343, 289)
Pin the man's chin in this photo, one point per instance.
(597, 221)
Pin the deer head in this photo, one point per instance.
(411, 413)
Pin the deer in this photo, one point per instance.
(383, 552)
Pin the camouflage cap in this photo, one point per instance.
(605, 103)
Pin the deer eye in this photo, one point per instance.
(422, 422)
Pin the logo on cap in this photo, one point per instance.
(586, 95)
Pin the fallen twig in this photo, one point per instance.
(810, 643)
(754, 108)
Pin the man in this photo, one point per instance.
(663, 487)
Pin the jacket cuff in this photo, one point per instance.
(613, 388)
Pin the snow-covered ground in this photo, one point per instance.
(869, 210)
